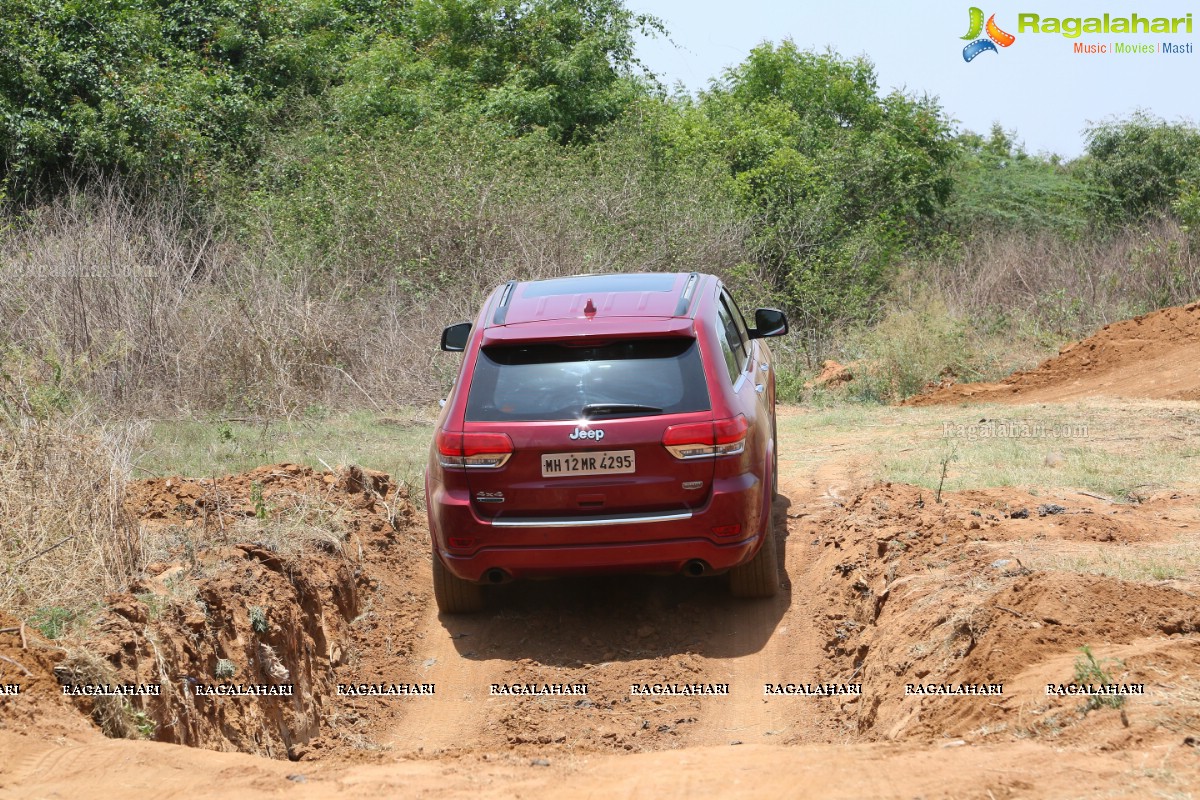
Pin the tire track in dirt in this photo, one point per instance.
(460, 712)
(613, 632)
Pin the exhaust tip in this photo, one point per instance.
(497, 575)
(695, 568)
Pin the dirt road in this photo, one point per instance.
(885, 585)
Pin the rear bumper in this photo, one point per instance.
(471, 546)
(655, 557)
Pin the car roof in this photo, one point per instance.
(599, 297)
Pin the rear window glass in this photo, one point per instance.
(553, 382)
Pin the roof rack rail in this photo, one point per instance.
(505, 297)
(685, 299)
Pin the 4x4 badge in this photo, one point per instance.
(692, 484)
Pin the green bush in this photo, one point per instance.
(911, 346)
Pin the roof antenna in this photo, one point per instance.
(590, 308)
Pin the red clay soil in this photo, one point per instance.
(277, 613)
(832, 375)
(30, 697)
(884, 586)
(1155, 356)
(922, 592)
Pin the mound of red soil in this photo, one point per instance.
(31, 701)
(930, 593)
(832, 375)
(1153, 356)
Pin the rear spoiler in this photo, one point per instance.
(589, 333)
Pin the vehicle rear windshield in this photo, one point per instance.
(552, 381)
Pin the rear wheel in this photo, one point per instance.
(453, 594)
(758, 577)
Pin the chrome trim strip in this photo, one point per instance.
(579, 522)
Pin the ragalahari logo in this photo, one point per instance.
(995, 36)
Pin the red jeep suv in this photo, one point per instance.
(606, 423)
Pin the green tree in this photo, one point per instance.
(164, 88)
(999, 186)
(1140, 165)
(157, 88)
(836, 179)
(565, 67)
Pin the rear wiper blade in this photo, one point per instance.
(596, 409)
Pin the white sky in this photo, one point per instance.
(1037, 85)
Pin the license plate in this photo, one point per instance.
(593, 462)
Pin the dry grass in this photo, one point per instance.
(159, 306)
(1145, 562)
(140, 301)
(66, 540)
(291, 524)
(1065, 287)
(115, 716)
(296, 522)
(1121, 449)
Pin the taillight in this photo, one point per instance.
(473, 450)
(721, 437)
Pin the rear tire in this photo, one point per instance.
(758, 577)
(453, 594)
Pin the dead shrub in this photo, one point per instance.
(67, 539)
(1069, 287)
(113, 713)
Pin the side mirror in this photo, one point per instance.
(454, 337)
(768, 322)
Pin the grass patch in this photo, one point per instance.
(396, 442)
(1124, 451)
(1141, 563)
(297, 523)
(1089, 671)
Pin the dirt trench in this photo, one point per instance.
(225, 608)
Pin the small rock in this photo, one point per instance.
(1054, 460)
(735, 741)
(297, 778)
(1020, 513)
(954, 743)
(1047, 509)
(540, 762)
(1001, 562)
